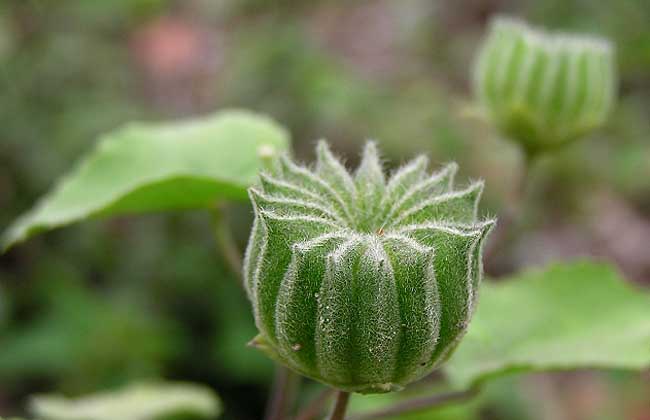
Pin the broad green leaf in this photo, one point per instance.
(569, 316)
(135, 402)
(145, 167)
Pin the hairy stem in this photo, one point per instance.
(283, 391)
(418, 404)
(315, 407)
(225, 241)
(341, 405)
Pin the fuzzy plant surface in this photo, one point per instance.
(363, 283)
(544, 89)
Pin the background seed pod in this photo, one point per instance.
(359, 282)
(544, 89)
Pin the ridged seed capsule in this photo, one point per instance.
(544, 89)
(362, 283)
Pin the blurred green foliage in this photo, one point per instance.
(100, 304)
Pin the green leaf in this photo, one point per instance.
(570, 316)
(135, 402)
(145, 167)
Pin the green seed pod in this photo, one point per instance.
(362, 283)
(544, 89)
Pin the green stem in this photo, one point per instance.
(341, 405)
(512, 221)
(418, 404)
(225, 241)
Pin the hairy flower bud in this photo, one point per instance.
(544, 89)
(359, 282)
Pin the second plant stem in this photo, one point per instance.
(226, 244)
(283, 391)
(341, 405)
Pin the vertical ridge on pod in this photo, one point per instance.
(335, 323)
(298, 299)
(376, 342)
(484, 230)
(253, 249)
(362, 283)
(452, 263)
(419, 305)
(279, 233)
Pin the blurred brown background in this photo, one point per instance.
(105, 302)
